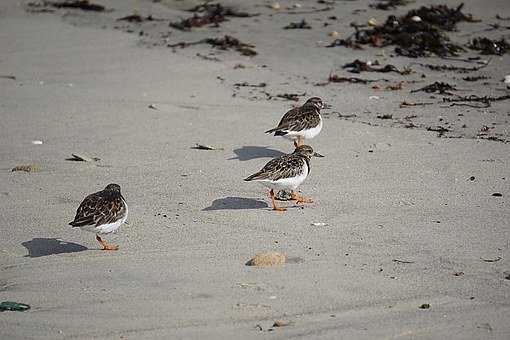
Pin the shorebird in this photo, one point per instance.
(286, 172)
(102, 212)
(300, 123)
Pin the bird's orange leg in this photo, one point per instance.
(105, 245)
(271, 193)
(299, 199)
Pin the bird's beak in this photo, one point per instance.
(316, 154)
(326, 106)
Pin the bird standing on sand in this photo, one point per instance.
(286, 172)
(300, 123)
(102, 212)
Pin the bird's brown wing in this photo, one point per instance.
(298, 119)
(282, 167)
(99, 208)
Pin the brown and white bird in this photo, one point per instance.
(102, 212)
(286, 172)
(300, 123)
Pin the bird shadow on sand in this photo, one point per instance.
(38, 247)
(236, 203)
(249, 152)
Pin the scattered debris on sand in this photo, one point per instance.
(387, 5)
(424, 306)
(208, 14)
(271, 258)
(205, 147)
(78, 157)
(224, 43)
(333, 78)
(246, 84)
(488, 46)
(298, 25)
(410, 104)
(475, 78)
(499, 258)
(458, 69)
(26, 168)
(84, 5)
(281, 323)
(358, 66)
(419, 33)
(13, 306)
(465, 100)
(437, 87)
(137, 18)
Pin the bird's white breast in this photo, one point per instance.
(287, 183)
(306, 133)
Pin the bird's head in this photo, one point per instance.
(306, 151)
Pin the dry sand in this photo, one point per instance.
(405, 224)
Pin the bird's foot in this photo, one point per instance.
(105, 245)
(300, 199)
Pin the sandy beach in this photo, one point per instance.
(411, 203)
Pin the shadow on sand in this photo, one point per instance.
(38, 247)
(247, 153)
(235, 203)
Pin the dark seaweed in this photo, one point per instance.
(415, 37)
(437, 87)
(298, 25)
(486, 100)
(358, 66)
(459, 69)
(208, 13)
(386, 5)
(225, 43)
(488, 46)
(84, 5)
(475, 78)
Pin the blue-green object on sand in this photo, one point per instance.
(13, 306)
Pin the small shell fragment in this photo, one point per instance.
(37, 142)
(333, 34)
(507, 79)
(416, 18)
(276, 6)
(372, 22)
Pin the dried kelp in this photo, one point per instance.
(349, 42)
(333, 78)
(488, 46)
(207, 14)
(475, 78)
(137, 18)
(358, 66)
(84, 5)
(419, 33)
(459, 69)
(437, 87)
(246, 84)
(386, 5)
(465, 100)
(225, 43)
(298, 25)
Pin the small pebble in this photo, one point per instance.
(271, 258)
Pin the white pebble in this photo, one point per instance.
(416, 18)
(507, 79)
(37, 142)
